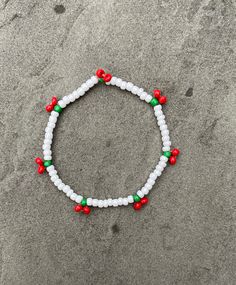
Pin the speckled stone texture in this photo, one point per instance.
(107, 142)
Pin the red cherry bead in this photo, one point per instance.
(162, 100)
(107, 77)
(137, 206)
(39, 161)
(157, 93)
(41, 169)
(86, 210)
(175, 152)
(100, 73)
(54, 100)
(78, 208)
(49, 108)
(144, 200)
(172, 160)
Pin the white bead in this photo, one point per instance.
(48, 135)
(54, 114)
(75, 94)
(54, 178)
(167, 143)
(50, 168)
(160, 168)
(46, 146)
(113, 80)
(140, 194)
(48, 130)
(94, 79)
(120, 201)
(129, 86)
(166, 148)
(66, 100)
(71, 98)
(157, 108)
(52, 119)
(165, 138)
(47, 152)
(100, 203)
(66, 189)
(125, 201)
(109, 201)
(61, 186)
(161, 123)
(57, 182)
(162, 163)
(73, 196)
(153, 176)
(130, 199)
(134, 90)
(79, 198)
(161, 117)
(140, 91)
(163, 127)
(143, 95)
(118, 82)
(85, 87)
(151, 181)
(89, 201)
(105, 203)
(123, 85)
(89, 82)
(145, 190)
(164, 158)
(51, 125)
(95, 202)
(47, 157)
(114, 202)
(62, 104)
(157, 172)
(80, 91)
(69, 192)
(148, 98)
(51, 172)
(165, 132)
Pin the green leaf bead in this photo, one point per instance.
(100, 80)
(84, 202)
(154, 102)
(58, 108)
(167, 154)
(47, 163)
(136, 198)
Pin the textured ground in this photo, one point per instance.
(107, 142)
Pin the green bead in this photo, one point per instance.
(154, 102)
(84, 202)
(100, 80)
(167, 153)
(58, 108)
(136, 198)
(47, 163)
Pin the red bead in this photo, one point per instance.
(86, 210)
(54, 101)
(137, 206)
(144, 200)
(100, 73)
(157, 93)
(175, 152)
(41, 169)
(78, 208)
(172, 160)
(39, 161)
(162, 100)
(107, 77)
(49, 108)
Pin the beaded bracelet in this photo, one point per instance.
(138, 199)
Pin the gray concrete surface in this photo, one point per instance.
(107, 142)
